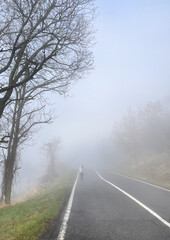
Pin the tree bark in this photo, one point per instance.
(10, 161)
(8, 180)
(4, 100)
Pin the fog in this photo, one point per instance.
(131, 68)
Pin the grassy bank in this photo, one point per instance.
(29, 219)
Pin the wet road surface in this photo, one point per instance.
(101, 212)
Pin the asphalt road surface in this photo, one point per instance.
(102, 212)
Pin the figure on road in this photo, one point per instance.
(81, 171)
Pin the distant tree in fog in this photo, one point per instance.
(51, 152)
(126, 135)
(143, 133)
(45, 41)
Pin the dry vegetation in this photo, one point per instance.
(142, 141)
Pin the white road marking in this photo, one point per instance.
(137, 201)
(63, 227)
(153, 185)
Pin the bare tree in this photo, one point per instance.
(51, 149)
(47, 41)
(126, 135)
(22, 118)
(144, 136)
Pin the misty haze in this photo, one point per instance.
(85, 120)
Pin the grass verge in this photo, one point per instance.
(29, 219)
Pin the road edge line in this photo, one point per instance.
(138, 180)
(63, 227)
(137, 201)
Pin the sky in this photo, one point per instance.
(131, 68)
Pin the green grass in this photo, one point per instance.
(29, 219)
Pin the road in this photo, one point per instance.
(102, 212)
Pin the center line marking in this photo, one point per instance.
(137, 201)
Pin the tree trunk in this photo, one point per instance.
(8, 179)
(10, 161)
(4, 100)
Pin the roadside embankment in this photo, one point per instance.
(154, 170)
(29, 219)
